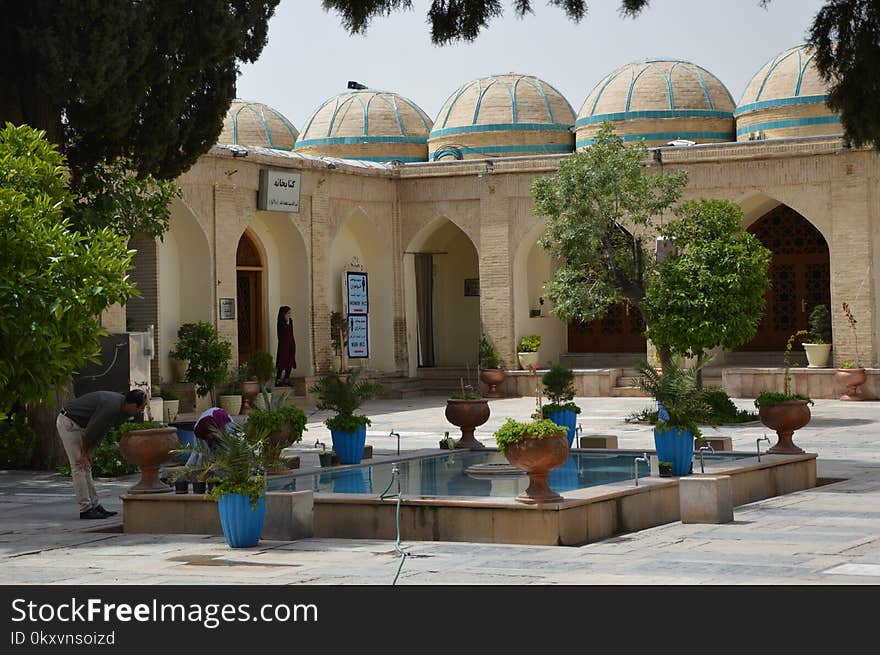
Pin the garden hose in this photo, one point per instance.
(395, 474)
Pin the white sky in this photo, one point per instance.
(310, 57)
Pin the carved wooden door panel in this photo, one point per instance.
(800, 276)
(619, 332)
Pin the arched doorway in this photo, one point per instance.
(800, 276)
(249, 285)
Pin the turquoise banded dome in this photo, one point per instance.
(786, 98)
(255, 124)
(502, 116)
(659, 100)
(367, 125)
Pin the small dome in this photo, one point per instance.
(659, 100)
(502, 116)
(367, 125)
(786, 98)
(256, 124)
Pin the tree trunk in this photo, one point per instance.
(48, 449)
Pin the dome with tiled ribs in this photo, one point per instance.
(502, 116)
(786, 98)
(367, 125)
(659, 100)
(256, 124)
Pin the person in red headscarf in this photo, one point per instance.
(213, 418)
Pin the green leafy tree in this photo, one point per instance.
(54, 282)
(599, 208)
(148, 80)
(844, 33)
(710, 292)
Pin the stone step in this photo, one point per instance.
(628, 392)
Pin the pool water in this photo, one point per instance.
(445, 475)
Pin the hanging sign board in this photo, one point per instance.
(356, 293)
(358, 336)
(279, 191)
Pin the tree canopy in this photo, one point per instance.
(845, 34)
(54, 281)
(148, 81)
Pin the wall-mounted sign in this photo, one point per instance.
(472, 286)
(356, 293)
(279, 191)
(358, 336)
(227, 309)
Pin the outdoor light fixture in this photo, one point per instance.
(356, 85)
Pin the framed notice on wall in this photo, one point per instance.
(227, 309)
(358, 336)
(356, 293)
(279, 191)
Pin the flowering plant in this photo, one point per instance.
(852, 324)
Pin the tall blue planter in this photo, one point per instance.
(566, 418)
(676, 446)
(242, 526)
(349, 445)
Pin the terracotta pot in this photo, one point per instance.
(148, 449)
(467, 415)
(817, 354)
(249, 391)
(852, 379)
(785, 418)
(492, 377)
(538, 457)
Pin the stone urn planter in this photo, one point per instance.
(537, 457)
(467, 415)
(527, 360)
(249, 390)
(785, 418)
(852, 379)
(492, 377)
(148, 449)
(231, 403)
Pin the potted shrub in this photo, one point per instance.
(467, 410)
(491, 372)
(343, 395)
(784, 412)
(208, 356)
(179, 477)
(536, 447)
(277, 425)
(680, 405)
(229, 395)
(665, 469)
(851, 374)
(170, 405)
(818, 348)
(527, 351)
(260, 372)
(241, 489)
(559, 389)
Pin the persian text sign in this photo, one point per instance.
(279, 191)
(358, 336)
(356, 291)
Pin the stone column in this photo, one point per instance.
(401, 357)
(321, 232)
(496, 282)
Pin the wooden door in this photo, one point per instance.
(249, 285)
(619, 332)
(799, 274)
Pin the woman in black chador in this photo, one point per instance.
(285, 358)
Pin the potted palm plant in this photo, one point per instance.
(241, 490)
(784, 412)
(527, 351)
(280, 423)
(818, 348)
(343, 395)
(491, 372)
(851, 374)
(681, 405)
(559, 389)
(536, 447)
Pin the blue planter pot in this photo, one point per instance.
(567, 419)
(242, 526)
(349, 445)
(676, 446)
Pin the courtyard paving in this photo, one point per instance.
(829, 535)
